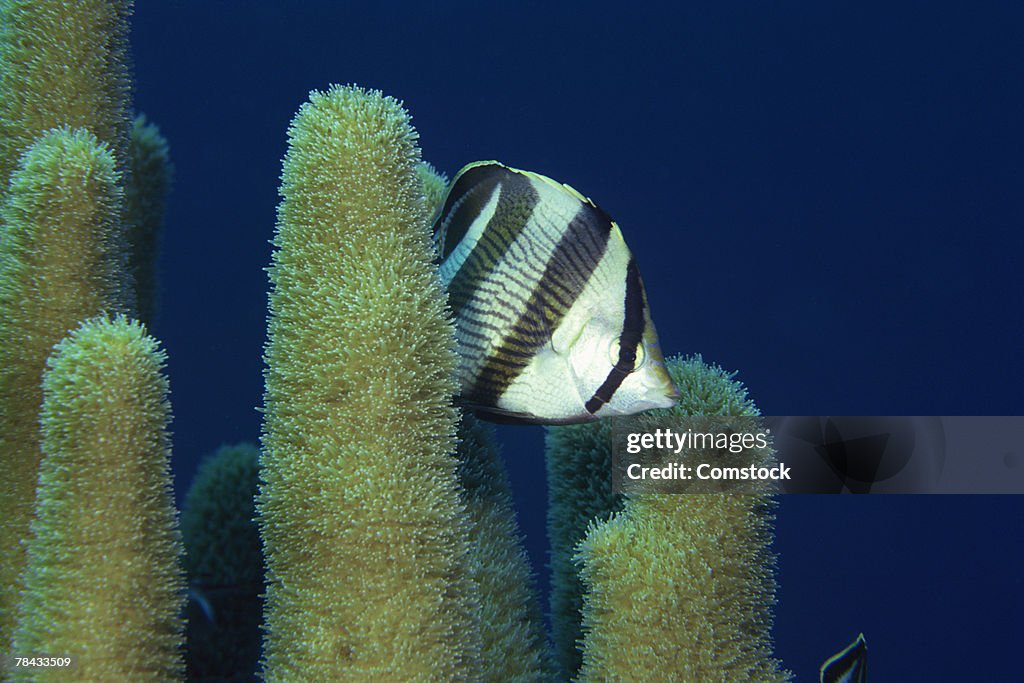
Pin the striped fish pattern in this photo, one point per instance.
(551, 315)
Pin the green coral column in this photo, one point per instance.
(579, 466)
(513, 644)
(680, 587)
(63, 64)
(363, 529)
(104, 582)
(224, 567)
(58, 265)
(148, 182)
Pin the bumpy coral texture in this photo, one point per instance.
(224, 566)
(58, 265)
(579, 463)
(513, 644)
(104, 582)
(63, 64)
(149, 181)
(364, 531)
(680, 587)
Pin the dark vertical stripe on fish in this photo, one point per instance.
(566, 273)
(516, 203)
(631, 337)
(465, 200)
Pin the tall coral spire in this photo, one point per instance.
(579, 465)
(513, 645)
(364, 533)
(148, 182)
(104, 582)
(224, 566)
(680, 587)
(56, 268)
(63, 64)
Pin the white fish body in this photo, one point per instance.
(551, 315)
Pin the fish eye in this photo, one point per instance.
(641, 354)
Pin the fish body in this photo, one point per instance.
(847, 666)
(551, 316)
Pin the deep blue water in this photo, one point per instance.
(826, 197)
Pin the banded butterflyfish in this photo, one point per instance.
(551, 316)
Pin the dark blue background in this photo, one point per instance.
(826, 197)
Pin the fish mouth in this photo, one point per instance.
(671, 390)
(663, 390)
(667, 386)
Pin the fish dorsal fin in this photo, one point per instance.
(847, 666)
